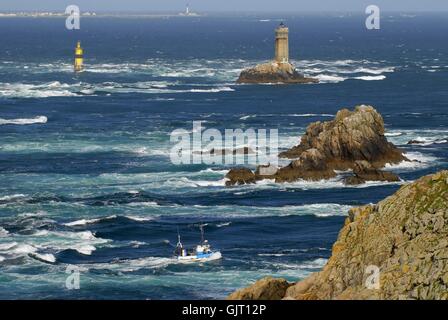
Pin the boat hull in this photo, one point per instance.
(200, 257)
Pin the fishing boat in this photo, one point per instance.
(201, 253)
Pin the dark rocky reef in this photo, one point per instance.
(354, 140)
(405, 237)
(274, 72)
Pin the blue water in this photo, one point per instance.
(85, 174)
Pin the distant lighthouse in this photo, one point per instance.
(79, 52)
(282, 44)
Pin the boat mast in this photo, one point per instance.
(201, 227)
(179, 243)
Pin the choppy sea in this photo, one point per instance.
(85, 174)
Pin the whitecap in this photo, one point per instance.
(35, 120)
(371, 78)
(248, 117)
(82, 222)
(85, 249)
(3, 232)
(418, 160)
(224, 224)
(323, 78)
(12, 197)
(139, 219)
(393, 134)
(46, 257)
(212, 90)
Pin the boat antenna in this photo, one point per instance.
(201, 227)
(179, 243)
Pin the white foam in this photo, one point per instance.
(88, 221)
(212, 90)
(418, 160)
(378, 71)
(393, 134)
(47, 257)
(85, 249)
(35, 120)
(44, 90)
(12, 197)
(371, 78)
(3, 232)
(224, 224)
(248, 117)
(209, 170)
(324, 78)
(311, 115)
(140, 219)
(7, 246)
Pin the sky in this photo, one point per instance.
(226, 5)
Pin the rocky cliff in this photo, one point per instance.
(354, 140)
(273, 72)
(396, 249)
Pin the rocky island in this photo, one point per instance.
(279, 71)
(354, 141)
(404, 237)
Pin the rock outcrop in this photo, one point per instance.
(396, 249)
(363, 171)
(274, 72)
(265, 289)
(354, 140)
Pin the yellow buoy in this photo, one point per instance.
(79, 52)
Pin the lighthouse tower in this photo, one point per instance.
(282, 44)
(79, 59)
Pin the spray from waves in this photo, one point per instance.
(3, 232)
(301, 115)
(221, 71)
(43, 244)
(84, 222)
(371, 78)
(424, 137)
(43, 90)
(220, 212)
(12, 197)
(334, 183)
(418, 161)
(341, 70)
(57, 89)
(35, 120)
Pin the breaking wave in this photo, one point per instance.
(341, 70)
(38, 119)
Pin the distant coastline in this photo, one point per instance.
(87, 14)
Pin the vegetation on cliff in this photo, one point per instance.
(404, 237)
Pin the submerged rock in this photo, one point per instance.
(274, 72)
(238, 176)
(363, 171)
(396, 249)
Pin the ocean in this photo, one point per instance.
(86, 179)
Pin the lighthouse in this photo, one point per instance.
(79, 52)
(282, 44)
